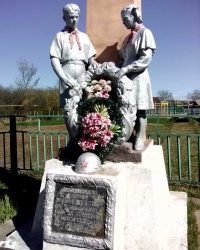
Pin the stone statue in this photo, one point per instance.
(136, 53)
(71, 51)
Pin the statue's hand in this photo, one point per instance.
(69, 82)
(94, 64)
(121, 72)
(95, 67)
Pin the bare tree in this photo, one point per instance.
(165, 95)
(27, 71)
(193, 96)
(25, 84)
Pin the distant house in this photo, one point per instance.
(198, 102)
(193, 108)
(193, 103)
(156, 100)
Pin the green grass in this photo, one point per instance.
(7, 209)
(43, 122)
(154, 120)
(193, 191)
(185, 172)
(193, 233)
(18, 193)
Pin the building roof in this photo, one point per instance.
(156, 100)
(198, 101)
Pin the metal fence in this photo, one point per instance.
(181, 154)
(29, 150)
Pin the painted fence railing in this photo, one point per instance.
(181, 154)
(43, 146)
(29, 150)
(33, 148)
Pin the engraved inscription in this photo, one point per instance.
(79, 210)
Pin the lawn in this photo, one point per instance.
(181, 146)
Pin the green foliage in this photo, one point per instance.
(101, 109)
(24, 100)
(115, 129)
(7, 209)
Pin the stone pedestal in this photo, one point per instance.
(140, 212)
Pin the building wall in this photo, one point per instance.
(105, 28)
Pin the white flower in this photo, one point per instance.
(102, 82)
(94, 82)
(88, 89)
(107, 88)
(97, 87)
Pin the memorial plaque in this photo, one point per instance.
(79, 210)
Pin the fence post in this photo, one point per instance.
(38, 122)
(13, 143)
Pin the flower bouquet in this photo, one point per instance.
(100, 123)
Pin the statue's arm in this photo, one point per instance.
(139, 65)
(55, 62)
(91, 60)
(142, 63)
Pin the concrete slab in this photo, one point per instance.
(177, 219)
(6, 229)
(21, 239)
(11, 225)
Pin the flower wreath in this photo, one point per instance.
(100, 121)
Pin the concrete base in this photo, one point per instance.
(110, 179)
(154, 218)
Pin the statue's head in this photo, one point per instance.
(131, 15)
(71, 13)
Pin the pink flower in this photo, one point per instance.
(103, 94)
(87, 144)
(105, 139)
(95, 131)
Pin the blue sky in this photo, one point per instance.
(27, 28)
